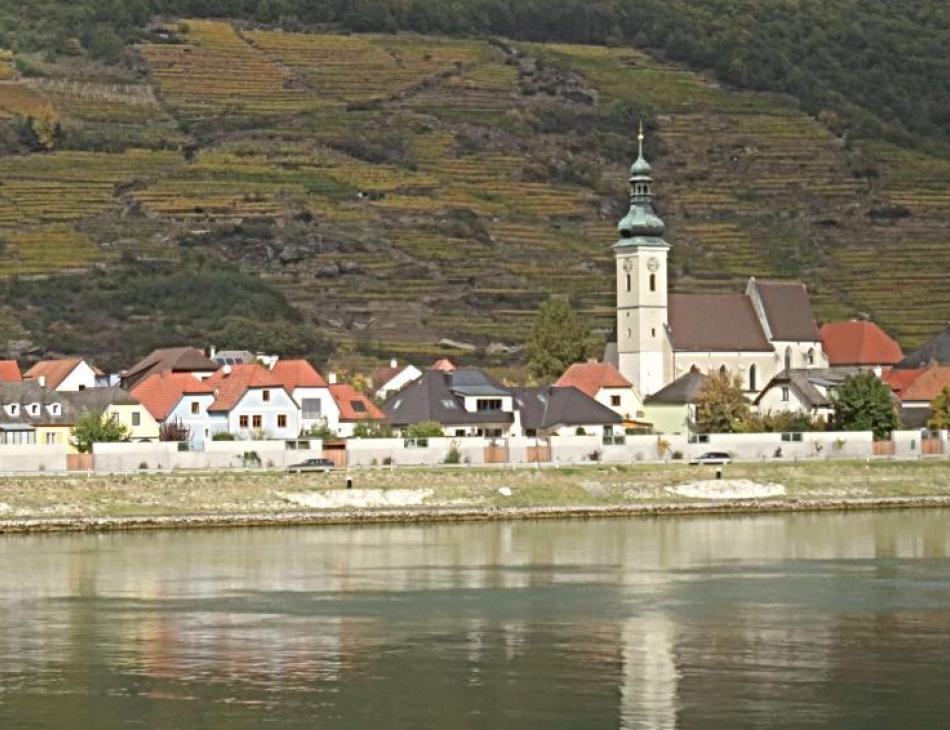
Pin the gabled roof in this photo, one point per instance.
(900, 380)
(170, 359)
(923, 384)
(808, 383)
(935, 351)
(715, 323)
(445, 365)
(681, 391)
(56, 371)
(589, 377)
(858, 343)
(436, 397)
(10, 372)
(788, 310)
(161, 392)
(29, 392)
(551, 407)
(293, 374)
(353, 405)
(231, 383)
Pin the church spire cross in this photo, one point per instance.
(640, 140)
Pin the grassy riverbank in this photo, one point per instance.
(470, 489)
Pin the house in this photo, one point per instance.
(32, 414)
(803, 391)
(604, 383)
(673, 409)
(178, 360)
(661, 336)
(121, 406)
(178, 398)
(353, 408)
(310, 391)
(392, 379)
(916, 389)
(67, 375)
(562, 411)
(10, 372)
(250, 402)
(936, 351)
(466, 402)
(444, 364)
(859, 344)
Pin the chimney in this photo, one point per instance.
(212, 351)
(331, 378)
(41, 381)
(394, 363)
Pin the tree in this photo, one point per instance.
(940, 411)
(558, 339)
(428, 429)
(95, 427)
(864, 403)
(721, 406)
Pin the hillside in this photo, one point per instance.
(394, 190)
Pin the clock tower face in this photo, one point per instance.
(653, 264)
(628, 265)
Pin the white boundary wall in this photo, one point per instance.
(126, 457)
(15, 458)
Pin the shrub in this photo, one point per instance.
(677, 455)
(224, 436)
(594, 456)
(454, 456)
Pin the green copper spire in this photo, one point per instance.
(641, 225)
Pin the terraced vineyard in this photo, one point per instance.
(404, 189)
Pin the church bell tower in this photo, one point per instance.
(641, 255)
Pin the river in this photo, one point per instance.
(822, 620)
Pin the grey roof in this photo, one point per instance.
(681, 391)
(29, 393)
(171, 359)
(808, 381)
(550, 407)
(99, 399)
(788, 310)
(935, 351)
(715, 323)
(433, 398)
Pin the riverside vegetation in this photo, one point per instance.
(375, 193)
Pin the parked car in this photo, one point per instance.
(311, 465)
(712, 457)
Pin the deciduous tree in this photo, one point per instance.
(721, 406)
(940, 411)
(95, 427)
(864, 403)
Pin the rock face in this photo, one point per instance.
(328, 271)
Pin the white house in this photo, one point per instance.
(69, 375)
(802, 391)
(250, 402)
(311, 393)
(394, 378)
(179, 398)
(604, 383)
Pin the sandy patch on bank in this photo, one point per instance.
(337, 498)
(727, 489)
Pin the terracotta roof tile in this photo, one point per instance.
(715, 323)
(858, 343)
(55, 371)
(293, 374)
(160, 392)
(353, 405)
(10, 372)
(590, 377)
(899, 380)
(230, 387)
(925, 387)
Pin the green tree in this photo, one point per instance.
(864, 403)
(558, 339)
(95, 427)
(940, 411)
(428, 429)
(721, 406)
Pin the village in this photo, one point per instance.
(648, 399)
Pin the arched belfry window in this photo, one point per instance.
(752, 377)
(788, 358)
(652, 282)
(629, 282)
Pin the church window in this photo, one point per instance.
(653, 331)
(652, 282)
(811, 356)
(788, 358)
(785, 393)
(752, 378)
(629, 282)
(629, 333)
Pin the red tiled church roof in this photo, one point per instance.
(590, 377)
(858, 343)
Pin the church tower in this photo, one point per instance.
(641, 256)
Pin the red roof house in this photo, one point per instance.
(353, 405)
(859, 344)
(589, 377)
(10, 372)
(293, 374)
(161, 392)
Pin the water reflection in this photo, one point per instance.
(696, 622)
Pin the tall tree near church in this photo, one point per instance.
(721, 406)
(558, 339)
(864, 403)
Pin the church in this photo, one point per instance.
(661, 336)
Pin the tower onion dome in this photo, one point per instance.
(641, 220)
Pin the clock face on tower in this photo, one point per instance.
(628, 265)
(653, 263)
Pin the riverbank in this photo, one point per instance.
(47, 503)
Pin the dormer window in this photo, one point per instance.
(55, 409)
(13, 409)
(34, 409)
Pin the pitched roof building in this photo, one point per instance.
(160, 392)
(935, 351)
(68, 374)
(916, 389)
(466, 397)
(550, 409)
(169, 360)
(859, 344)
(353, 405)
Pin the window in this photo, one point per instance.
(652, 282)
(195, 408)
(55, 409)
(358, 406)
(258, 422)
(811, 356)
(14, 409)
(629, 283)
(488, 404)
(35, 409)
(752, 377)
(281, 421)
(785, 393)
(788, 358)
(653, 331)
(460, 432)
(243, 422)
(312, 408)
(136, 419)
(449, 405)
(265, 396)
(51, 438)
(615, 400)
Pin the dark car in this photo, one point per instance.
(311, 465)
(712, 457)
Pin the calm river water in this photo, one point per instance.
(838, 620)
